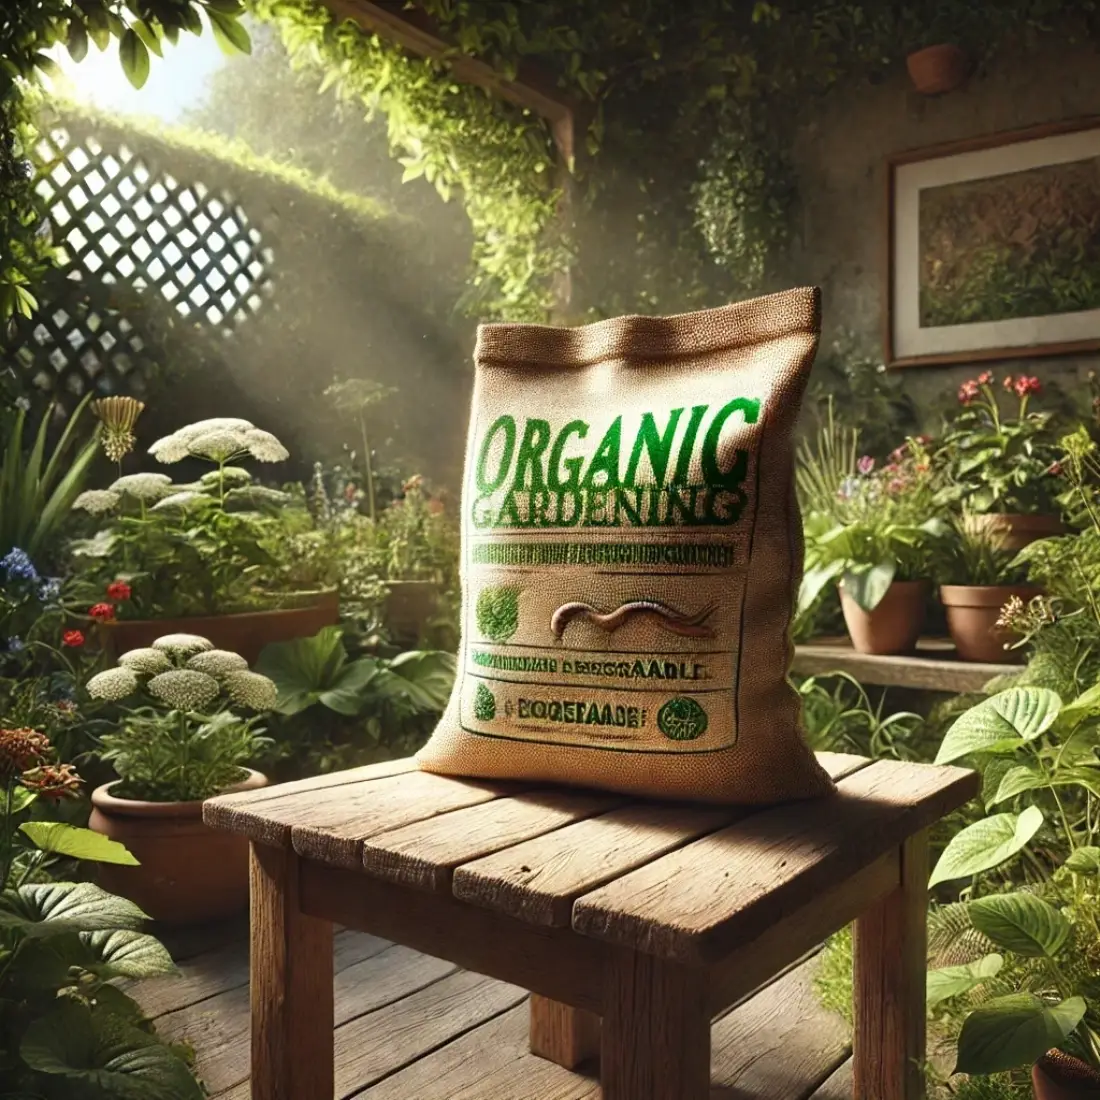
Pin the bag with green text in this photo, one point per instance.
(632, 550)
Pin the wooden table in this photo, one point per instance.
(648, 918)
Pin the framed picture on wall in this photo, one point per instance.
(994, 247)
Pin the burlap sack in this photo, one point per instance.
(632, 550)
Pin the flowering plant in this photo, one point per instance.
(182, 737)
(876, 531)
(205, 547)
(997, 454)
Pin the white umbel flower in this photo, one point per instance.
(172, 448)
(97, 501)
(112, 684)
(214, 424)
(264, 447)
(183, 645)
(232, 476)
(178, 501)
(251, 690)
(184, 688)
(218, 662)
(145, 662)
(218, 446)
(145, 487)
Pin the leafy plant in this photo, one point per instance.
(183, 739)
(998, 460)
(67, 1030)
(38, 483)
(974, 555)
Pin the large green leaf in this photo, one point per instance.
(814, 582)
(986, 844)
(304, 668)
(1000, 723)
(868, 587)
(106, 1057)
(77, 843)
(1017, 780)
(1014, 1031)
(950, 981)
(1022, 923)
(134, 55)
(53, 908)
(426, 676)
(348, 691)
(1086, 705)
(122, 953)
(1084, 861)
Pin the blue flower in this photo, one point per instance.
(18, 566)
(50, 590)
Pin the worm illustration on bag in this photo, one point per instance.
(632, 550)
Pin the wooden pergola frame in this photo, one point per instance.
(414, 30)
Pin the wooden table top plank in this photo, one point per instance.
(425, 853)
(538, 880)
(257, 814)
(698, 902)
(330, 826)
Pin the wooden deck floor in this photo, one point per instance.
(411, 1027)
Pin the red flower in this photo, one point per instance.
(119, 590)
(968, 391)
(102, 612)
(52, 781)
(1008, 382)
(1055, 469)
(72, 638)
(1025, 386)
(985, 378)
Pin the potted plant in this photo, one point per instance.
(980, 578)
(222, 557)
(1000, 465)
(186, 733)
(936, 64)
(878, 545)
(1022, 973)
(69, 1029)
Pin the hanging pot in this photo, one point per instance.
(937, 69)
(894, 625)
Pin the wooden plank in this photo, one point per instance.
(700, 902)
(219, 1028)
(538, 881)
(891, 953)
(372, 1047)
(425, 853)
(753, 963)
(331, 826)
(565, 1035)
(839, 1086)
(782, 1043)
(932, 668)
(656, 1030)
(490, 1063)
(244, 812)
(292, 986)
(554, 962)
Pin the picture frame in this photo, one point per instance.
(993, 247)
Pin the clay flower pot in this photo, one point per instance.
(409, 606)
(1013, 531)
(972, 613)
(246, 633)
(895, 624)
(937, 69)
(188, 872)
(1060, 1076)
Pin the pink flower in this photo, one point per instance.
(1008, 382)
(1025, 386)
(968, 391)
(985, 378)
(895, 485)
(865, 465)
(924, 440)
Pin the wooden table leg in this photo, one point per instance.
(563, 1034)
(292, 986)
(656, 1030)
(891, 952)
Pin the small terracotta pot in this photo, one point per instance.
(1060, 1076)
(188, 872)
(1012, 531)
(972, 613)
(937, 69)
(895, 624)
(246, 633)
(409, 605)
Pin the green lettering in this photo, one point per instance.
(683, 463)
(485, 484)
(606, 459)
(573, 480)
(713, 474)
(536, 438)
(633, 512)
(509, 513)
(658, 447)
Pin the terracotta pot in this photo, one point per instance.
(1013, 531)
(246, 633)
(1059, 1076)
(972, 613)
(189, 872)
(409, 606)
(937, 69)
(894, 626)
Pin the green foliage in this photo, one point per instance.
(497, 612)
(975, 555)
(1015, 1030)
(39, 482)
(833, 980)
